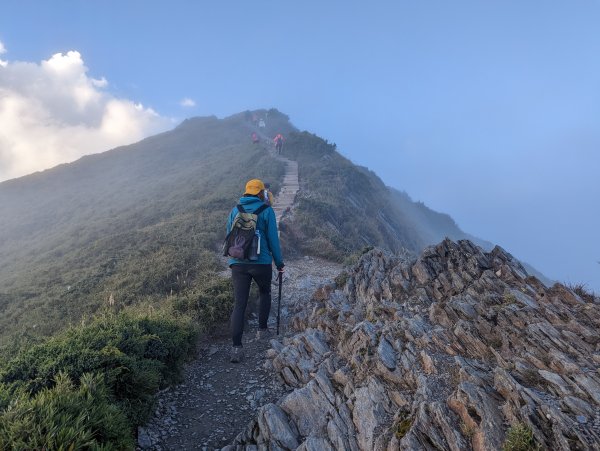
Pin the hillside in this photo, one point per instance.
(342, 207)
(140, 222)
(136, 222)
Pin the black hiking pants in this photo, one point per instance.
(242, 276)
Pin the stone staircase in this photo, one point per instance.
(285, 198)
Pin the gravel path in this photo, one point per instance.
(217, 398)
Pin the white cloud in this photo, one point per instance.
(187, 102)
(101, 83)
(53, 113)
(2, 50)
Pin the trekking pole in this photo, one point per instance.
(280, 277)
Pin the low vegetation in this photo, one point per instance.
(66, 416)
(91, 384)
(519, 437)
(583, 292)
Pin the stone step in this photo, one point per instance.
(289, 188)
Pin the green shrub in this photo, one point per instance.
(341, 279)
(134, 354)
(65, 417)
(209, 305)
(519, 437)
(402, 425)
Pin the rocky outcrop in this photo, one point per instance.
(444, 351)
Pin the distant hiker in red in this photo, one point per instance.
(278, 140)
(255, 138)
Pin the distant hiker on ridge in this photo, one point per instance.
(255, 138)
(252, 243)
(278, 140)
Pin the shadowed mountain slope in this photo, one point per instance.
(342, 207)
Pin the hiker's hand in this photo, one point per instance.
(280, 268)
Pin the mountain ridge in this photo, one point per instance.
(77, 233)
(127, 255)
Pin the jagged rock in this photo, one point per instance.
(370, 411)
(275, 428)
(316, 444)
(309, 407)
(299, 357)
(443, 351)
(431, 429)
(478, 410)
(386, 354)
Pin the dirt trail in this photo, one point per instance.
(217, 399)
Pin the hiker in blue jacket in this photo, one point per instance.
(244, 271)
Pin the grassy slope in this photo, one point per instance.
(136, 222)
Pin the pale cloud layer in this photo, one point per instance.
(187, 102)
(2, 50)
(53, 112)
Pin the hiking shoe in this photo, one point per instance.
(237, 354)
(263, 334)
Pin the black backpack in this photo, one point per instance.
(239, 240)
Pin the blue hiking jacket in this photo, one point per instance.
(266, 225)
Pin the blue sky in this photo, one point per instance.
(486, 110)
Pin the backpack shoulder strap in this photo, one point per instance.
(240, 208)
(260, 209)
